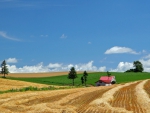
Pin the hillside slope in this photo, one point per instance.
(124, 98)
(6, 84)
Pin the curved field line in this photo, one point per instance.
(7, 84)
(30, 101)
(83, 101)
(143, 94)
(147, 87)
(108, 97)
(126, 98)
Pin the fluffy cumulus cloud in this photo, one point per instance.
(55, 67)
(11, 60)
(122, 67)
(117, 49)
(28, 69)
(146, 63)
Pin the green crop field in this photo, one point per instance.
(91, 79)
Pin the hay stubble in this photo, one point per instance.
(123, 98)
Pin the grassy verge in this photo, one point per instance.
(91, 79)
(30, 88)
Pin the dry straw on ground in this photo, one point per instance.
(49, 74)
(123, 98)
(6, 84)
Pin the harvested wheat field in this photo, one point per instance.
(27, 75)
(6, 84)
(131, 97)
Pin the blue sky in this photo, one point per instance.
(54, 35)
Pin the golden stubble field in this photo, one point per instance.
(131, 97)
(49, 74)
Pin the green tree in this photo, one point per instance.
(138, 66)
(108, 73)
(4, 69)
(72, 75)
(82, 80)
(85, 74)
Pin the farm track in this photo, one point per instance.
(123, 98)
(147, 87)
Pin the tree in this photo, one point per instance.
(82, 80)
(138, 66)
(85, 74)
(72, 75)
(4, 69)
(108, 73)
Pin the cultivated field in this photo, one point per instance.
(131, 97)
(6, 84)
(36, 75)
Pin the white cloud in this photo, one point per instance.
(122, 67)
(146, 64)
(63, 36)
(89, 43)
(147, 57)
(4, 35)
(54, 67)
(117, 49)
(102, 69)
(28, 69)
(44, 35)
(144, 51)
(11, 60)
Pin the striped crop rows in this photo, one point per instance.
(106, 99)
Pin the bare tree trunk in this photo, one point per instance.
(4, 75)
(73, 82)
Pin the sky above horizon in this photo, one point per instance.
(55, 35)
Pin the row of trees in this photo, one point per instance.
(73, 74)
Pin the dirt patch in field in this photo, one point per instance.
(32, 75)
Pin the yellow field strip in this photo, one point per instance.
(6, 84)
(34, 75)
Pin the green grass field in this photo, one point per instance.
(91, 79)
